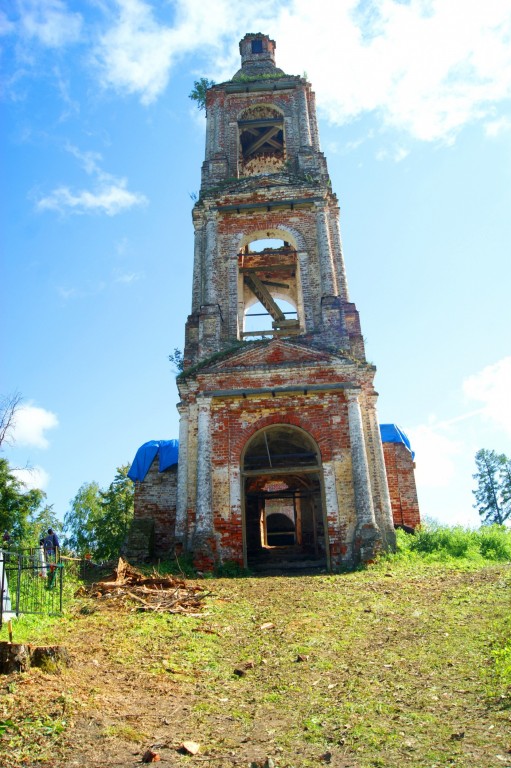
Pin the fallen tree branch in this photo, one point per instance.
(155, 593)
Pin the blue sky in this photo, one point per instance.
(102, 152)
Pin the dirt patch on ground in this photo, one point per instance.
(368, 669)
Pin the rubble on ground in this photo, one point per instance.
(132, 589)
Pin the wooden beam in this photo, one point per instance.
(262, 140)
(271, 252)
(283, 471)
(261, 292)
(272, 268)
(276, 144)
(271, 205)
(275, 285)
(262, 122)
(282, 325)
(287, 332)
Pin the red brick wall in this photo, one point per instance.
(235, 421)
(155, 498)
(401, 480)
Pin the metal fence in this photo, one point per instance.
(29, 583)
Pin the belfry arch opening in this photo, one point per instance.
(261, 141)
(284, 520)
(269, 294)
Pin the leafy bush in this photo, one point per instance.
(436, 542)
(495, 542)
(199, 91)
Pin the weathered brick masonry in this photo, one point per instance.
(153, 531)
(401, 481)
(280, 456)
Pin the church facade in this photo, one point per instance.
(280, 453)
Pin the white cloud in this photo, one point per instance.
(31, 424)
(135, 54)
(110, 199)
(71, 106)
(129, 277)
(121, 246)
(424, 67)
(50, 23)
(427, 67)
(6, 26)
(435, 455)
(492, 387)
(32, 477)
(445, 449)
(497, 127)
(109, 196)
(66, 293)
(396, 154)
(91, 288)
(90, 161)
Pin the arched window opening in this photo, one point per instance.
(261, 141)
(280, 446)
(265, 244)
(268, 289)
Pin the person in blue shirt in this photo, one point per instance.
(51, 544)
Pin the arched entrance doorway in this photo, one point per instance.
(284, 520)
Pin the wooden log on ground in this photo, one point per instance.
(14, 657)
(50, 657)
(18, 657)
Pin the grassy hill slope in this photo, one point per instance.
(403, 664)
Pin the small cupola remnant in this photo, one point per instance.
(257, 56)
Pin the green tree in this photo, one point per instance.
(505, 485)
(177, 360)
(491, 494)
(199, 91)
(39, 522)
(17, 505)
(22, 513)
(117, 504)
(81, 520)
(98, 521)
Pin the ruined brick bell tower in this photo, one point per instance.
(280, 455)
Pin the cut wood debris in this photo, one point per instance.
(166, 594)
(190, 747)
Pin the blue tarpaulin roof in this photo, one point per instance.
(390, 433)
(168, 451)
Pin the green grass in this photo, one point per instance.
(442, 544)
(405, 663)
